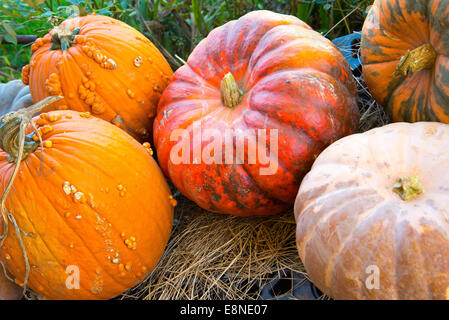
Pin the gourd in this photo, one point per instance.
(14, 95)
(86, 213)
(372, 216)
(404, 53)
(264, 74)
(102, 66)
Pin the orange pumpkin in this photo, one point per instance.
(8, 289)
(103, 66)
(100, 211)
(372, 216)
(265, 72)
(404, 50)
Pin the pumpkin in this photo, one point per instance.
(8, 289)
(404, 51)
(372, 216)
(102, 66)
(14, 95)
(266, 76)
(95, 214)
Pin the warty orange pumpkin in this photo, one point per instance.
(372, 215)
(96, 208)
(265, 75)
(102, 66)
(404, 52)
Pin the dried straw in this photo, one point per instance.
(215, 256)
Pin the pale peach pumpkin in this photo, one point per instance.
(377, 204)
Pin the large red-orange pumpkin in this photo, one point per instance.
(264, 71)
(103, 66)
(99, 211)
(404, 52)
(372, 214)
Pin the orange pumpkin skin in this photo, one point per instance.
(101, 205)
(110, 70)
(8, 289)
(291, 79)
(414, 90)
(350, 221)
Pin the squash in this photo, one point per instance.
(14, 95)
(372, 215)
(265, 76)
(94, 214)
(404, 53)
(102, 66)
(8, 289)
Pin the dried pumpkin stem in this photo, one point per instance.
(11, 127)
(231, 95)
(408, 188)
(62, 37)
(421, 58)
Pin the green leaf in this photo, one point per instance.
(7, 62)
(34, 3)
(10, 33)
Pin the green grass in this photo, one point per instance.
(175, 26)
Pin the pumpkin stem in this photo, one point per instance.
(12, 128)
(231, 95)
(62, 38)
(408, 187)
(416, 60)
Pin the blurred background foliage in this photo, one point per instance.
(175, 26)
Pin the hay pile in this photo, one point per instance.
(214, 256)
(372, 115)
